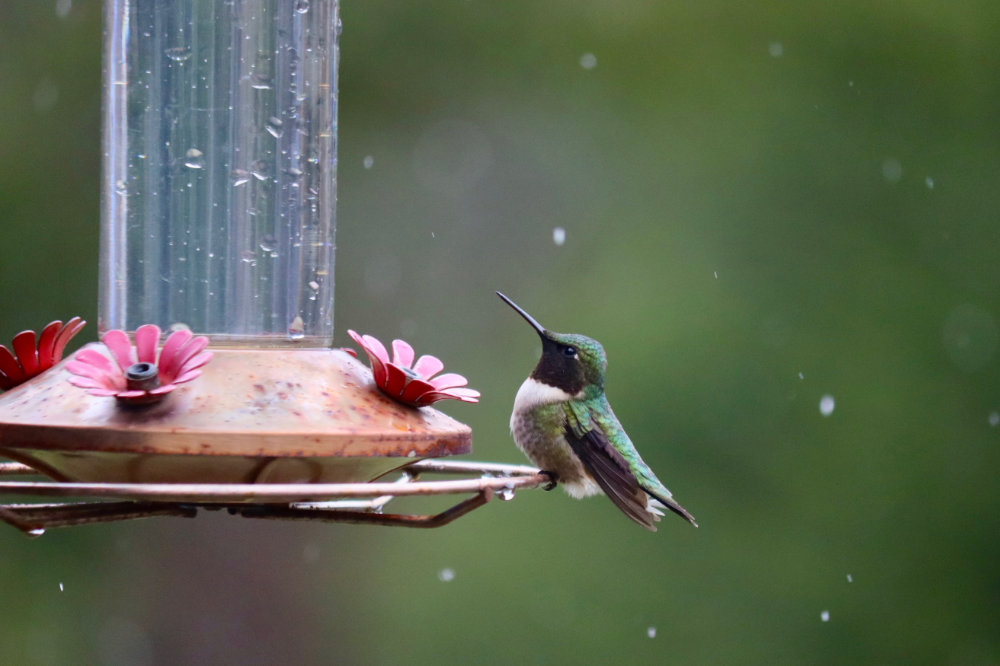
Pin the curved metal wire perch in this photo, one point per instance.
(359, 503)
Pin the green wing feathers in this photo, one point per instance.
(606, 465)
(601, 444)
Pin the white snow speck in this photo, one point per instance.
(651, 632)
(588, 61)
(850, 578)
(826, 405)
(446, 575)
(801, 376)
(60, 586)
(929, 182)
(776, 49)
(45, 97)
(892, 169)
(369, 161)
(825, 616)
(558, 235)
(994, 419)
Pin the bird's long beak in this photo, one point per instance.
(527, 317)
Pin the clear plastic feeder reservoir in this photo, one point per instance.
(219, 193)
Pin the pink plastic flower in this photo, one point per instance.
(412, 383)
(136, 376)
(30, 359)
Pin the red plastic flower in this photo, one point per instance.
(136, 376)
(30, 359)
(412, 383)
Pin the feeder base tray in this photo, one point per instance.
(253, 416)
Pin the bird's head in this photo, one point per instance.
(570, 361)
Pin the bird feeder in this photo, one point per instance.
(218, 217)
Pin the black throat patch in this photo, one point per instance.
(557, 369)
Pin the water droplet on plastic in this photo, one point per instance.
(588, 61)
(249, 257)
(506, 493)
(826, 405)
(260, 81)
(259, 170)
(275, 127)
(651, 632)
(240, 177)
(825, 616)
(194, 159)
(368, 162)
(178, 53)
(301, 6)
(446, 575)
(296, 329)
(121, 188)
(268, 243)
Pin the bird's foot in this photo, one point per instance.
(553, 477)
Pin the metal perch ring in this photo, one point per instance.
(359, 503)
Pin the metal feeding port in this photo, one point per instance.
(358, 503)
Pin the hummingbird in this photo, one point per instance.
(562, 421)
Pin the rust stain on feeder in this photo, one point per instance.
(254, 416)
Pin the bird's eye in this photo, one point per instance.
(569, 351)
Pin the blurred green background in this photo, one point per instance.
(763, 203)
